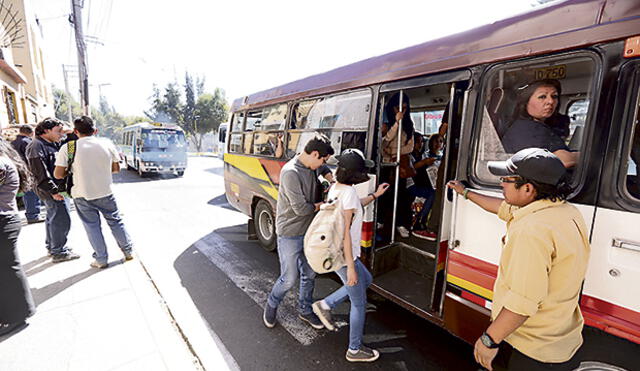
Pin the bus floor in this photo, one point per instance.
(406, 272)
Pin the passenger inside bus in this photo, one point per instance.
(537, 123)
(393, 114)
(422, 185)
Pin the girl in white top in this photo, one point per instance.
(352, 169)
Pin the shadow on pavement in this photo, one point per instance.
(40, 295)
(33, 263)
(129, 176)
(218, 170)
(221, 201)
(228, 279)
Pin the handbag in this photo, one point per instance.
(406, 167)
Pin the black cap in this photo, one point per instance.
(352, 159)
(536, 164)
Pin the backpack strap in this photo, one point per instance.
(71, 154)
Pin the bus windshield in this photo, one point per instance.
(162, 139)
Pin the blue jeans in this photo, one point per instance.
(358, 296)
(293, 263)
(429, 195)
(89, 212)
(31, 205)
(57, 224)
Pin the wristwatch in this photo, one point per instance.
(488, 341)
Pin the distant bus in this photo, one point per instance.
(154, 148)
(592, 49)
(221, 139)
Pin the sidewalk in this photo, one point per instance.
(90, 319)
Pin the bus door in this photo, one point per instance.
(610, 300)
(476, 235)
(404, 263)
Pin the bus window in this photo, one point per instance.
(349, 110)
(269, 144)
(235, 143)
(297, 140)
(509, 122)
(253, 118)
(273, 118)
(631, 174)
(236, 123)
(427, 122)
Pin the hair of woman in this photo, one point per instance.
(407, 123)
(432, 141)
(525, 92)
(23, 171)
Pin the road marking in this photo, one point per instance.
(251, 278)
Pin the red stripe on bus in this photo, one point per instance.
(272, 168)
(473, 298)
(367, 231)
(471, 269)
(611, 318)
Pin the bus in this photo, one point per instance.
(221, 139)
(591, 48)
(154, 148)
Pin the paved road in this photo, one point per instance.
(215, 283)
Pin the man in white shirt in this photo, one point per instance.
(93, 162)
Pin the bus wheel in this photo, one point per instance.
(265, 225)
(180, 173)
(141, 173)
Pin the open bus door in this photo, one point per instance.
(410, 270)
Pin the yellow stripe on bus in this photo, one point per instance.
(249, 165)
(270, 190)
(367, 243)
(472, 287)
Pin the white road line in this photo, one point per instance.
(251, 278)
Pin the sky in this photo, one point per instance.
(240, 46)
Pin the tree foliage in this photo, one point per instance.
(198, 114)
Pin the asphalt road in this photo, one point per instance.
(215, 283)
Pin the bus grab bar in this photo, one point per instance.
(626, 244)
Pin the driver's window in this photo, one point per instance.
(524, 105)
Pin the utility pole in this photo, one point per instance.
(76, 7)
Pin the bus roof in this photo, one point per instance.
(559, 26)
(154, 125)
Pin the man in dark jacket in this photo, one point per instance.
(31, 200)
(41, 154)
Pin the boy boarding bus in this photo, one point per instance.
(588, 50)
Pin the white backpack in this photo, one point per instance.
(324, 238)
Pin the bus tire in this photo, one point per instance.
(141, 173)
(180, 173)
(265, 225)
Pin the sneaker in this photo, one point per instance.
(404, 232)
(97, 264)
(324, 315)
(312, 320)
(59, 258)
(425, 235)
(127, 256)
(269, 316)
(9, 328)
(364, 354)
(36, 220)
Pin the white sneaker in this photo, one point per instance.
(404, 232)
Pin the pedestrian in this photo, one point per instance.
(299, 197)
(536, 319)
(30, 198)
(16, 303)
(95, 159)
(41, 154)
(352, 169)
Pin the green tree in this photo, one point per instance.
(61, 100)
(211, 111)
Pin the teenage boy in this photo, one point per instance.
(299, 198)
(95, 159)
(536, 320)
(41, 155)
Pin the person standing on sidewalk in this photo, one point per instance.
(30, 198)
(41, 154)
(352, 169)
(16, 303)
(299, 197)
(544, 259)
(95, 160)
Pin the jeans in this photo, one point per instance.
(293, 263)
(16, 302)
(57, 223)
(31, 205)
(358, 296)
(89, 212)
(429, 196)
